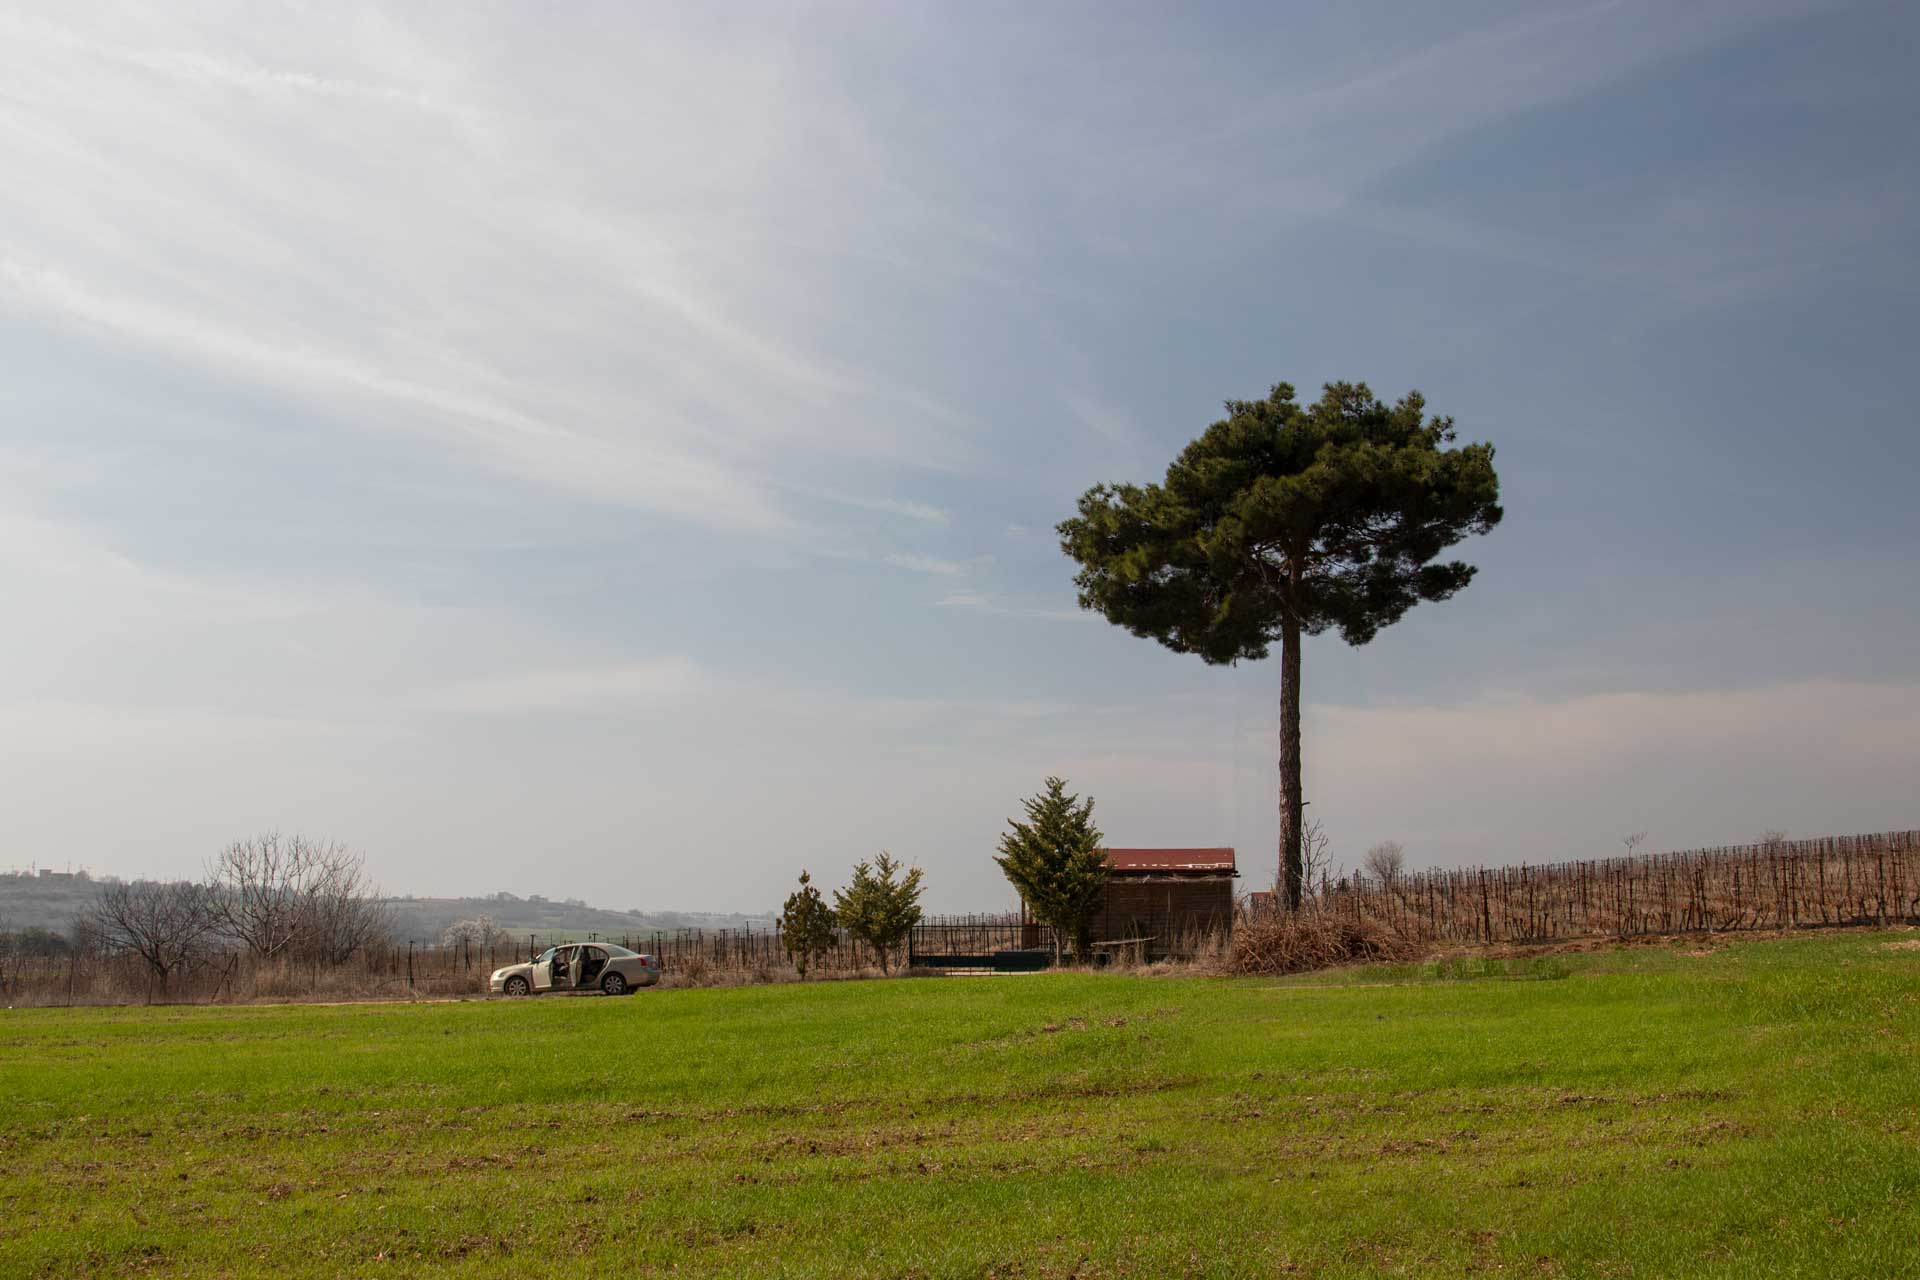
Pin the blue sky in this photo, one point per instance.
(613, 450)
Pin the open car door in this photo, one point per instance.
(566, 968)
(547, 967)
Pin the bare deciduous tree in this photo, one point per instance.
(1632, 842)
(345, 912)
(259, 884)
(166, 925)
(297, 898)
(1385, 861)
(1315, 862)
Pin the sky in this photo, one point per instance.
(613, 451)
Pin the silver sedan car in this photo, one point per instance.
(579, 966)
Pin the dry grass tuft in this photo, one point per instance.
(697, 971)
(1296, 943)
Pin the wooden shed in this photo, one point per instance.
(1166, 895)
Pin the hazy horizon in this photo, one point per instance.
(612, 452)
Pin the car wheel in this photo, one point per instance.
(614, 984)
(517, 986)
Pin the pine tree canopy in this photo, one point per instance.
(1282, 521)
(1333, 513)
(1057, 861)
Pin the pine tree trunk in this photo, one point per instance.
(1290, 806)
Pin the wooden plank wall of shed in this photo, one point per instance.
(1164, 906)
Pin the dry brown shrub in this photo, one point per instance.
(1296, 943)
(693, 971)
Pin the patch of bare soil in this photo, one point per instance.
(1688, 944)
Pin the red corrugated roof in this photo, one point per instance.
(1170, 859)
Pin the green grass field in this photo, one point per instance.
(1640, 1112)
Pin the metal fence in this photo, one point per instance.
(1778, 884)
(75, 975)
(1002, 943)
(977, 935)
(744, 950)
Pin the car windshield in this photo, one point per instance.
(546, 955)
(617, 951)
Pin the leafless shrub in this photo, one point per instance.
(1300, 941)
(1632, 841)
(1385, 861)
(166, 925)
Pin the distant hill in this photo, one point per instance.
(427, 918)
(45, 899)
(55, 899)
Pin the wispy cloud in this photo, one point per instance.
(924, 564)
(642, 365)
(1101, 418)
(1444, 87)
(578, 690)
(924, 512)
(68, 566)
(620, 469)
(979, 602)
(204, 69)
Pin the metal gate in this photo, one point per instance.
(982, 944)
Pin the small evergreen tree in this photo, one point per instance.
(880, 906)
(1056, 860)
(806, 926)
